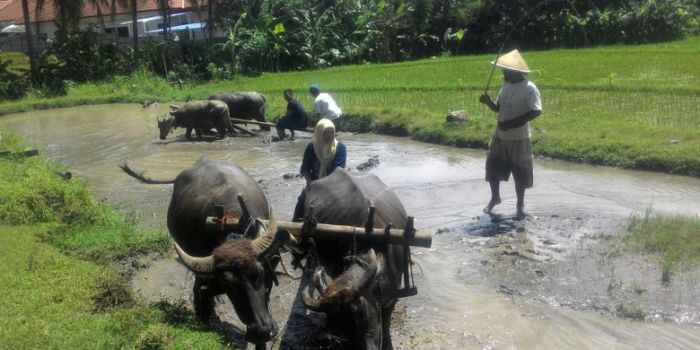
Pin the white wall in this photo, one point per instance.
(124, 21)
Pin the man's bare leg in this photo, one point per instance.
(495, 196)
(520, 205)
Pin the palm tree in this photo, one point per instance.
(135, 29)
(30, 44)
(68, 14)
(164, 7)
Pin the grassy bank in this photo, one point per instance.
(625, 106)
(34, 193)
(55, 289)
(52, 301)
(673, 239)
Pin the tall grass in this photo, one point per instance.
(674, 239)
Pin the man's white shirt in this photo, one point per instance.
(326, 107)
(514, 100)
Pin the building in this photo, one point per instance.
(184, 23)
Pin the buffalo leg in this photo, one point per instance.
(386, 327)
(367, 325)
(199, 133)
(204, 294)
(188, 133)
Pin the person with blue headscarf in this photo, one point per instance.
(325, 107)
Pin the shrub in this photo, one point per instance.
(12, 85)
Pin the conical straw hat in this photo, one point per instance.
(513, 61)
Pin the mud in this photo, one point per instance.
(553, 280)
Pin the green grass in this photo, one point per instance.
(56, 290)
(32, 193)
(626, 106)
(674, 239)
(52, 301)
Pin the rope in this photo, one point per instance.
(287, 272)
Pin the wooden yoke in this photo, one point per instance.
(380, 235)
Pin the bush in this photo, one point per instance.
(80, 57)
(12, 86)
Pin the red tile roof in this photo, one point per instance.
(12, 11)
(4, 3)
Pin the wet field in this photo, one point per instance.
(489, 281)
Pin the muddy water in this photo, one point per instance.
(487, 282)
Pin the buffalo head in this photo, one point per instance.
(244, 270)
(345, 289)
(166, 126)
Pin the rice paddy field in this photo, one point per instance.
(625, 106)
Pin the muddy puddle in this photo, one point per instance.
(489, 281)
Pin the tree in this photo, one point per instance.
(30, 44)
(164, 8)
(135, 29)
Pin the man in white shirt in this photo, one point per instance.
(510, 149)
(325, 106)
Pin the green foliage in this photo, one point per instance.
(53, 301)
(12, 85)
(674, 239)
(80, 57)
(290, 35)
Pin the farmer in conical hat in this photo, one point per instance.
(510, 150)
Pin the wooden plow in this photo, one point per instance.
(309, 228)
(255, 122)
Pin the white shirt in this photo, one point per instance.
(326, 107)
(514, 100)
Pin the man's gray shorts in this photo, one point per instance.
(506, 156)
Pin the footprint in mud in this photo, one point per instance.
(490, 225)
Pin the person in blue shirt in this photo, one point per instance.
(322, 155)
(294, 119)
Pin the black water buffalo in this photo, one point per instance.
(244, 105)
(198, 115)
(242, 268)
(357, 292)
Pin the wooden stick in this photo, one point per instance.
(27, 153)
(243, 130)
(250, 121)
(328, 231)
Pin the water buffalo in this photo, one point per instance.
(198, 115)
(242, 268)
(357, 292)
(244, 105)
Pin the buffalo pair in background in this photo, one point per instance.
(215, 113)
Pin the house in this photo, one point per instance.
(185, 23)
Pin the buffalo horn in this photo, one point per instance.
(311, 303)
(265, 241)
(322, 280)
(200, 265)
